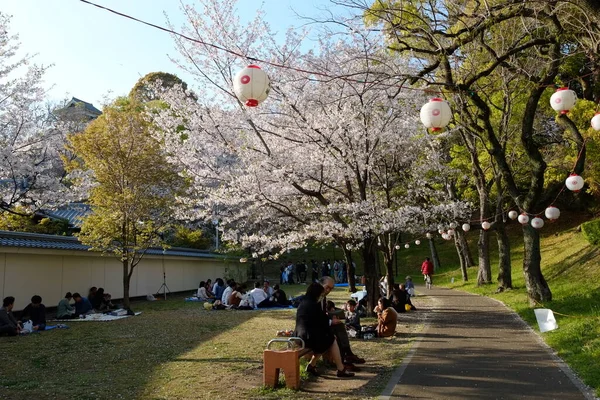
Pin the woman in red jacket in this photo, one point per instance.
(427, 270)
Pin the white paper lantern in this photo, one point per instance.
(453, 225)
(450, 232)
(486, 225)
(243, 260)
(537, 222)
(251, 85)
(574, 182)
(436, 114)
(406, 246)
(428, 235)
(445, 236)
(596, 122)
(552, 213)
(563, 100)
(440, 231)
(417, 242)
(306, 250)
(397, 247)
(523, 218)
(466, 227)
(513, 214)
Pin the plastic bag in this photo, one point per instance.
(28, 326)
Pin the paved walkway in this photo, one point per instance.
(473, 347)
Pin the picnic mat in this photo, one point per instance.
(346, 285)
(98, 317)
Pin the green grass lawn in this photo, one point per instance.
(178, 350)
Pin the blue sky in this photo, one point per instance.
(96, 53)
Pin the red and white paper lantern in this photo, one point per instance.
(486, 225)
(436, 114)
(563, 100)
(523, 219)
(251, 85)
(552, 213)
(513, 214)
(466, 227)
(537, 223)
(574, 182)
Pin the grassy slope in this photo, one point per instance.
(571, 267)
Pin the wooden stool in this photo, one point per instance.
(288, 360)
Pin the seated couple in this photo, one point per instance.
(387, 319)
(256, 298)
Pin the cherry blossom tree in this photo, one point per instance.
(336, 153)
(31, 138)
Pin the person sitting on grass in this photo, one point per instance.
(312, 326)
(387, 318)
(218, 289)
(261, 299)
(279, 296)
(352, 318)
(36, 312)
(235, 297)
(8, 323)
(227, 292)
(65, 310)
(267, 288)
(401, 299)
(82, 305)
(203, 293)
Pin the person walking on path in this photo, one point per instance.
(427, 270)
(474, 347)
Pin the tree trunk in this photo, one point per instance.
(484, 275)
(126, 280)
(434, 255)
(504, 265)
(462, 250)
(369, 254)
(389, 270)
(537, 287)
(350, 270)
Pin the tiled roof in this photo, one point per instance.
(39, 241)
(72, 212)
(88, 106)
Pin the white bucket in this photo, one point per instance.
(545, 319)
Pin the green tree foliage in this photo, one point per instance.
(591, 231)
(133, 189)
(183, 236)
(20, 222)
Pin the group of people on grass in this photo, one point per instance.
(33, 317)
(236, 296)
(319, 324)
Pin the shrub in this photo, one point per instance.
(591, 231)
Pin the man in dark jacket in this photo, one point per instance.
(8, 323)
(36, 312)
(339, 330)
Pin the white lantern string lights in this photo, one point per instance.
(552, 213)
(417, 242)
(428, 235)
(397, 247)
(453, 225)
(563, 100)
(406, 246)
(436, 114)
(513, 214)
(251, 85)
(466, 227)
(574, 183)
(523, 219)
(537, 222)
(486, 225)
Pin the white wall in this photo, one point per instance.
(25, 272)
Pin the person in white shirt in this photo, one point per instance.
(260, 297)
(227, 292)
(203, 293)
(268, 289)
